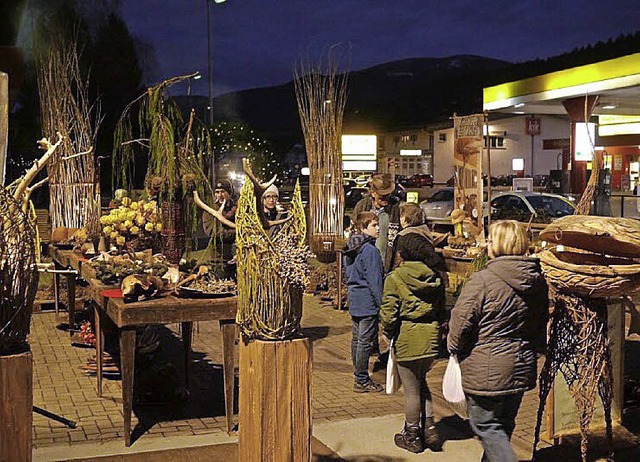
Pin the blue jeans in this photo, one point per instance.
(493, 419)
(364, 332)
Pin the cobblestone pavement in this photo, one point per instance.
(61, 387)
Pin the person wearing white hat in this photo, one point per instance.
(269, 202)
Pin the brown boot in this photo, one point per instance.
(432, 438)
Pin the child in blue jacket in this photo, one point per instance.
(365, 272)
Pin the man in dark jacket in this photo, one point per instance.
(497, 326)
(364, 271)
(381, 201)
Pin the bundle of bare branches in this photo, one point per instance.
(65, 108)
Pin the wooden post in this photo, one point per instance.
(275, 400)
(16, 404)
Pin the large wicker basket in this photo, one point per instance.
(591, 275)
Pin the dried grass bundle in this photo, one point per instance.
(321, 95)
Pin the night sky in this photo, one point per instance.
(256, 43)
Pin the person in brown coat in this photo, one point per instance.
(497, 326)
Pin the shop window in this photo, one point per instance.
(496, 142)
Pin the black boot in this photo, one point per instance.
(431, 437)
(410, 439)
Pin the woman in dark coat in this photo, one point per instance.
(497, 326)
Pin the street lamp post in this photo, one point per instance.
(213, 162)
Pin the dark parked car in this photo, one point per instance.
(352, 196)
(420, 180)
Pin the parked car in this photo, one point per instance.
(352, 196)
(362, 180)
(544, 207)
(420, 180)
(439, 205)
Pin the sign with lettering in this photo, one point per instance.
(532, 125)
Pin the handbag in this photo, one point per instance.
(393, 377)
(452, 388)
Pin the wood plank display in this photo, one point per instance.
(16, 404)
(275, 400)
(562, 416)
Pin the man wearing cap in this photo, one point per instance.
(269, 201)
(225, 236)
(381, 201)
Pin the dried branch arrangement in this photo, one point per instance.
(321, 95)
(175, 159)
(18, 271)
(272, 273)
(599, 261)
(65, 108)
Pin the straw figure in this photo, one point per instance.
(18, 271)
(597, 262)
(321, 101)
(272, 273)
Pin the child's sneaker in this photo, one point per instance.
(368, 386)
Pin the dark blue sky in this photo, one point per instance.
(255, 43)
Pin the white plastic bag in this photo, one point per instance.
(393, 377)
(452, 388)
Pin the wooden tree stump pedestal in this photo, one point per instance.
(16, 406)
(275, 400)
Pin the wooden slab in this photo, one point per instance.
(275, 400)
(16, 404)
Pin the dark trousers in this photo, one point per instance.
(493, 419)
(417, 396)
(364, 332)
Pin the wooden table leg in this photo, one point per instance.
(127, 364)
(187, 334)
(99, 347)
(71, 301)
(228, 328)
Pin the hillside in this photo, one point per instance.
(398, 94)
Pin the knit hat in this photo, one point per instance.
(273, 189)
(226, 185)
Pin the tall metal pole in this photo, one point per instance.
(213, 155)
(209, 61)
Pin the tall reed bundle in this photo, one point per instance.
(321, 101)
(65, 108)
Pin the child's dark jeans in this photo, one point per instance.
(365, 331)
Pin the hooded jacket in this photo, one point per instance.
(411, 309)
(497, 326)
(389, 219)
(365, 273)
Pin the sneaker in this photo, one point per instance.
(366, 387)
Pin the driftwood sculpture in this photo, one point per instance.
(272, 273)
(598, 260)
(18, 271)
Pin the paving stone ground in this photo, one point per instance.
(61, 387)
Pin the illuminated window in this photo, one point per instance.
(405, 139)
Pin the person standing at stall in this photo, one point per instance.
(225, 236)
(412, 306)
(365, 273)
(497, 326)
(269, 202)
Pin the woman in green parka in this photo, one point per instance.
(411, 311)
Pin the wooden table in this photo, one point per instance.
(164, 310)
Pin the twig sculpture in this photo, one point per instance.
(272, 273)
(599, 262)
(18, 272)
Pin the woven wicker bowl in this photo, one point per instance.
(592, 275)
